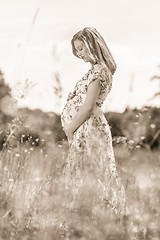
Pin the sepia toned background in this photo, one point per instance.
(37, 71)
(35, 43)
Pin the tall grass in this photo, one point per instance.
(34, 203)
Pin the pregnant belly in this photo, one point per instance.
(69, 111)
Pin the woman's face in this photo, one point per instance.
(82, 51)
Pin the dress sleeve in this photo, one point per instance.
(101, 74)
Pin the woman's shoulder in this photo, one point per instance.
(99, 67)
(100, 70)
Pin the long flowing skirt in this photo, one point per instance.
(90, 172)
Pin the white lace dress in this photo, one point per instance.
(91, 152)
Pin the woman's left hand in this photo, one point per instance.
(69, 133)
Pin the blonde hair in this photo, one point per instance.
(97, 47)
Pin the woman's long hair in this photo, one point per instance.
(96, 45)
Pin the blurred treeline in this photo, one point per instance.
(141, 127)
(137, 127)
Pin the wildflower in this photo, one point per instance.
(138, 146)
(152, 125)
(121, 139)
(37, 179)
(21, 89)
(144, 109)
(17, 154)
(142, 137)
(11, 180)
(131, 142)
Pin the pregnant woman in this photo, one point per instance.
(91, 157)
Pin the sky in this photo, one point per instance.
(35, 44)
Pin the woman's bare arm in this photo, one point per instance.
(86, 109)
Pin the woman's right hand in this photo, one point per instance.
(69, 133)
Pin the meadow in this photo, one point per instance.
(33, 202)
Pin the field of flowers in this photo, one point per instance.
(33, 202)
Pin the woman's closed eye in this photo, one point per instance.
(79, 49)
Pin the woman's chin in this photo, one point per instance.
(85, 60)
